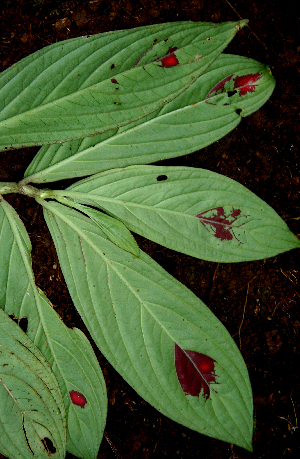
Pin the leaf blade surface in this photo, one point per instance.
(138, 321)
(193, 120)
(67, 350)
(105, 105)
(194, 211)
(31, 402)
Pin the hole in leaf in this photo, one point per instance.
(77, 398)
(112, 66)
(22, 322)
(195, 371)
(161, 178)
(49, 445)
(232, 93)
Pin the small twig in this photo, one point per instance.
(113, 448)
(240, 17)
(288, 277)
(245, 304)
(292, 427)
(241, 324)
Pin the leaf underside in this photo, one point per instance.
(67, 350)
(31, 403)
(193, 120)
(194, 211)
(136, 314)
(81, 87)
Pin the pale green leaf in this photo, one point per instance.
(67, 351)
(192, 121)
(115, 230)
(136, 313)
(100, 101)
(178, 207)
(31, 409)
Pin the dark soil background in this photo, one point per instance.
(258, 302)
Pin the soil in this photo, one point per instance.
(257, 301)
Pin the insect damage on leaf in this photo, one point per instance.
(50, 448)
(22, 322)
(219, 223)
(77, 398)
(195, 372)
(232, 85)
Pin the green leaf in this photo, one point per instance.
(194, 211)
(115, 230)
(193, 120)
(105, 101)
(32, 415)
(137, 314)
(67, 351)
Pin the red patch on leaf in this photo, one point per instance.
(219, 86)
(195, 372)
(246, 83)
(77, 398)
(218, 223)
(243, 84)
(169, 61)
(113, 80)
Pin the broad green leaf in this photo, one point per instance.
(193, 120)
(139, 316)
(107, 102)
(194, 211)
(67, 351)
(32, 415)
(115, 230)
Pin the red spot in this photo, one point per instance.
(113, 80)
(246, 83)
(218, 223)
(77, 398)
(195, 371)
(169, 61)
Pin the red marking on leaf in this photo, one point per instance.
(243, 84)
(169, 61)
(143, 55)
(219, 86)
(77, 398)
(195, 371)
(172, 49)
(246, 83)
(113, 80)
(217, 222)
